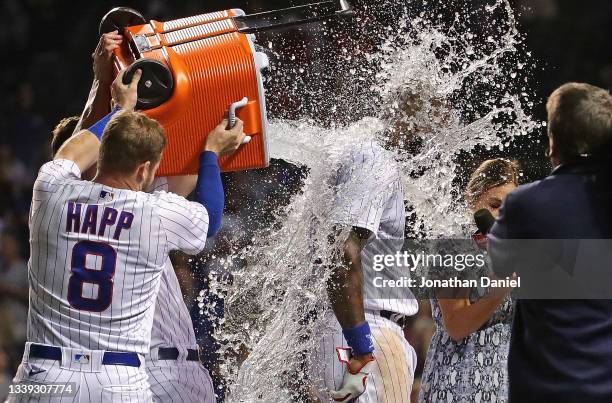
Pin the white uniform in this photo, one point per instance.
(97, 256)
(175, 380)
(369, 194)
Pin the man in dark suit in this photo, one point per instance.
(561, 349)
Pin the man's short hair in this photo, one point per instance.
(579, 119)
(62, 132)
(130, 139)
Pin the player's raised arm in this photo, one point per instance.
(83, 148)
(99, 100)
(209, 188)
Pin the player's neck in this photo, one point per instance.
(117, 181)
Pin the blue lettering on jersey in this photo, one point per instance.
(109, 217)
(92, 223)
(125, 222)
(73, 223)
(91, 218)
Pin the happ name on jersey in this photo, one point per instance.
(90, 224)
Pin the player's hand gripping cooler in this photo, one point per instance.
(194, 69)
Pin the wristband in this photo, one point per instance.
(98, 128)
(359, 339)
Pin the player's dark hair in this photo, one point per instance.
(579, 120)
(62, 132)
(491, 174)
(130, 139)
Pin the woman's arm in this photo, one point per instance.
(462, 318)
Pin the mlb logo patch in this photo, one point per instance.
(82, 358)
(107, 196)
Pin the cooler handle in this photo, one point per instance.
(232, 115)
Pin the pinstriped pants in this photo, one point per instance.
(392, 378)
(180, 381)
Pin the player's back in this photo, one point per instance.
(97, 254)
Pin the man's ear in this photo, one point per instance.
(551, 145)
(552, 151)
(142, 170)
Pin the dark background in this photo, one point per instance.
(46, 75)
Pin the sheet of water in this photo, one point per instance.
(462, 92)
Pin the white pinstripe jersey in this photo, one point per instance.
(172, 325)
(370, 195)
(97, 255)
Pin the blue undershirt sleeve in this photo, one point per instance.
(98, 128)
(209, 190)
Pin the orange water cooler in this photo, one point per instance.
(197, 68)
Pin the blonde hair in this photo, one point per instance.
(130, 139)
(491, 174)
(579, 119)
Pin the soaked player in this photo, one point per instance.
(367, 357)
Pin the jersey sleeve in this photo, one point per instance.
(185, 222)
(53, 175)
(364, 186)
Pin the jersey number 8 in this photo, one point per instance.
(101, 279)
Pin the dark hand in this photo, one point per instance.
(102, 57)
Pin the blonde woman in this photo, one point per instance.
(466, 360)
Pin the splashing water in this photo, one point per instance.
(462, 93)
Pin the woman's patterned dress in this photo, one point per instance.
(473, 370)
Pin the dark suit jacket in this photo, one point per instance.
(561, 350)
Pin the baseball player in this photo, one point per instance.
(173, 365)
(98, 250)
(365, 356)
